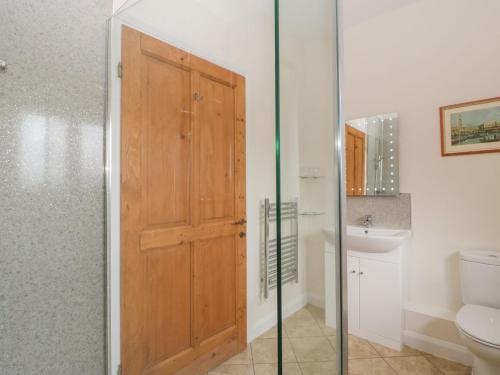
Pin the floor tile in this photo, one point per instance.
(448, 367)
(359, 348)
(312, 344)
(388, 352)
(412, 366)
(311, 349)
(327, 331)
(302, 316)
(303, 329)
(333, 341)
(243, 358)
(265, 351)
(319, 368)
(317, 312)
(369, 366)
(271, 334)
(272, 369)
(232, 370)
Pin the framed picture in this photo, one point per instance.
(470, 128)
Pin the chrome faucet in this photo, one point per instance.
(368, 221)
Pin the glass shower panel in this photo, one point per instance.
(309, 185)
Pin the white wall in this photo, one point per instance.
(412, 60)
(307, 107)
(117, 4)
(316, 149)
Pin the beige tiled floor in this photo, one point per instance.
(309, 349)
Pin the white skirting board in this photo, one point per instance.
(316, 300)
(438, 348)
(265, 324)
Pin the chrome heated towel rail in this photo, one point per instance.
(289, 245)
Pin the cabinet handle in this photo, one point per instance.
(353, 271)
(361, 273)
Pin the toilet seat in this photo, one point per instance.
(481, 324)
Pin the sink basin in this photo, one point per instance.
(370, 240)
(374, 240)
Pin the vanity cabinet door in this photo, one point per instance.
(353, 292)
(380, 298)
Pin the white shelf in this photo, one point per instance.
(311, 213)
(310, 177)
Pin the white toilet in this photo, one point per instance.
(479, 320)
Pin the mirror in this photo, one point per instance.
(372, 163)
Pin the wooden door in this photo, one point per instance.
(183, 247)
(355, 161)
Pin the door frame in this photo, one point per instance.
(112, 170)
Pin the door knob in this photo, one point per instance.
(240, 222)
(242, 234)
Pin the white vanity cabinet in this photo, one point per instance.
(375, 297)
(374, 283)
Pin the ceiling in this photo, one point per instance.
(359, 11)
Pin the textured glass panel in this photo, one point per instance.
(52, 248)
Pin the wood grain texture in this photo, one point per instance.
(217, 151)
(183, 260)
(355, 161)
(168, 284)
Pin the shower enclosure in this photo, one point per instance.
(286, 53)
(308, 172)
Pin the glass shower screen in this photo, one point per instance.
(307, 187)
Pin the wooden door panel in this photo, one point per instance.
(168, 298)
(183, 264)
(359, 152)
(167, 144)
(355, 161)
(215, 286)
(350, 166)
(217, 150)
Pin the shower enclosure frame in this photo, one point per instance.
(112, 197)
(340, 206)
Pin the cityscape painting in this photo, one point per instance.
(470, 128)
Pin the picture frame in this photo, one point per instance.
(470, 127)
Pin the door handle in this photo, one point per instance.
(240, 222)
(242, 234)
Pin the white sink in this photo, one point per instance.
(370, 240)
(375, 240)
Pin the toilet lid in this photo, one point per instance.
(481, 323)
